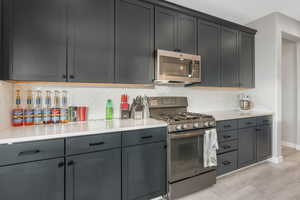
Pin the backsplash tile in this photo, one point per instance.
(6, 102)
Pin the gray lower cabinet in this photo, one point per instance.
(94, 176)
(40, 180)
(227, 162)
(144, 171)
(264, 142)
(247, 146)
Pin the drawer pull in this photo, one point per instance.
(147, 137)
(226, 162)
(31, 152)
(258, 129)
(61, 164)
(226, 136)
(96, 144)
(70, 163)
(265, 121)
(226, 146)
(249, 123)
(227, 126)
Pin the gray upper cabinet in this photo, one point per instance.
(34, 180)
(91, 41)
(246, 146)
(166, 29)
(209, 50)
(229, 58)
(187, 33)
(135, 42)
(94, 176)
(247, 72)
(175, 31)
(35, 40)
(144, 171)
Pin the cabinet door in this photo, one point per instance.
(187, 32)
(247, 147)
(209, 50)
(264, 142)
(42, 180)
(91, 45)
(247, 74)
(135, 42)
(144, 171)
(229, 58)
(94, 176)
(166, 29)
(37, 39)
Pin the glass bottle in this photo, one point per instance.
(64, 107)
(55, 111)
(47, 119)
(28, 111)
(38, 111)
(18, 111)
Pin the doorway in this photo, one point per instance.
(289, 61)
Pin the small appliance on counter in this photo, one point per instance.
(245, 102)
(137, 108)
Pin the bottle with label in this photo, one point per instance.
(55, 111)
(109, 110)
(38, 111)
(28, 111)
(64, 111)
(18, 112)
(47, 109)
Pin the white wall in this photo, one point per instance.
(289, 92)
(200, 99)
(5, 104)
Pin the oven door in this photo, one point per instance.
(186, 155)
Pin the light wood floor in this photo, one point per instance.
(265, 181)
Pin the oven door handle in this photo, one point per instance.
(186, 135)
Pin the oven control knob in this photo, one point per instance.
(206, 124)
(178, 127)
(196, 125)
(212, 123)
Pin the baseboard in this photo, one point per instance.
(291, 145)
(288, 144)
(276, 160)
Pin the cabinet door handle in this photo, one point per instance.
(265, 121)
(258, 129)
(227, 126)
(71, 162)
(249, 123)
(147, 137)
(226, 136)
(72, 76)
(30, 152)
(61, 164)
(226, 162)
(64, 76)
(226, 146)
(96, 144)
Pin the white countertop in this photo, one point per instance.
(54, 131)
(237, 114)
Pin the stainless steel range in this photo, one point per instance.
(186, 171)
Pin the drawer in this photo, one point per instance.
(144, 136)
(227, 135)
(248, 122)
(31, 151)
(77, 145)
(227, 146)
(265, 120)
(227, 125)
(227, 162)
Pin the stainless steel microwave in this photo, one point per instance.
(176, 67)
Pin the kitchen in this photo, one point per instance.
(200, 99)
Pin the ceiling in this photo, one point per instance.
(241, 11)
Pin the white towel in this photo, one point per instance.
(210, 148)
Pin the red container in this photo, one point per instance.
(82, 113)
